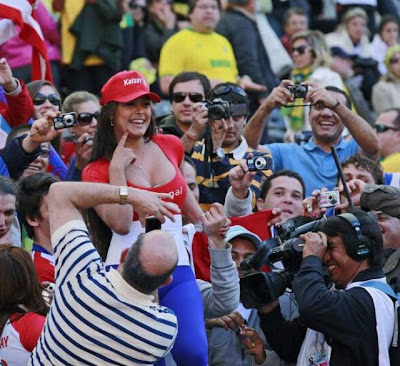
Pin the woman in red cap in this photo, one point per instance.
(128, 152)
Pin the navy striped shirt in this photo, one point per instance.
(97, 318)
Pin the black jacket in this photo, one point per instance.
(251, 57)
(346, 318)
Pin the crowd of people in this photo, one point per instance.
(202, 182)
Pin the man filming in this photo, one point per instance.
(350, 325)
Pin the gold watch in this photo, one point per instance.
(123, 195)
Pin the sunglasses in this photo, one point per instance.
(194, 97)
(41, 99)
(85, 119)
(383, 128)
(393, 61)
(301, 50)
(225, 89)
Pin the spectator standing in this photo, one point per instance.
(239, 25)
(127, 151)
(387, 128)
(161, 24)
(224, 147)
(90, 58)
(201, 49)
(295, 20)
(118, 320)
(87, 109)
(330, 113)
(33, 210)
(351, 34)
(188, 121)
(23, 309)
(15, 102)
(387, 36)
(237, 339)
(311, 61)
(385, 92)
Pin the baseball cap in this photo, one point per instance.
(340, 52)
(237, 230)
(125, 86)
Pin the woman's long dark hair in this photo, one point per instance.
(103, 147)
(19, 284)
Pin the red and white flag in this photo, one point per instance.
(17, 17)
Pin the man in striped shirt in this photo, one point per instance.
(107, 318)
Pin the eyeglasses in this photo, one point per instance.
(382, 128)
(301, 50)
(393, 61)
(194, 97)
(44, 153)
(85, 119)
(225, 89)
(41, 99)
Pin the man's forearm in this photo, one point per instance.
(254, 128)
(360, 130)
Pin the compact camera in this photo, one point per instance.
(329, 199)
(298, 90)
(218, 108)
(66, 120)
(259, 163)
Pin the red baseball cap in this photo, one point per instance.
(125, 86)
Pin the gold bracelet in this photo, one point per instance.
(123, 195)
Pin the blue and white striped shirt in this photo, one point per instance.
(97, 318)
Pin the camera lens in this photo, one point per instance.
(260, 163)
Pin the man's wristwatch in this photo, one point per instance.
(220, 154)
(123, 195)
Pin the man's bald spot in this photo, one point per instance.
(159, 253)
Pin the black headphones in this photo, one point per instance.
(361, 249)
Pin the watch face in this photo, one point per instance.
(221, 153)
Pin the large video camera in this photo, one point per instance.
(218, 108)
(261, 288)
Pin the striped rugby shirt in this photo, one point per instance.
(97, 318)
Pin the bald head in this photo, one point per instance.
(150, 261)
(159, 254)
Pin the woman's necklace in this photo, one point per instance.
(140, 166)
(141, 160)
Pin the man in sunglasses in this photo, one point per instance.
(387, 128)
(224, 146)
(188, 119)
(330, 113)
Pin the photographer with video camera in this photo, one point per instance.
(349, 325)
(224, 146)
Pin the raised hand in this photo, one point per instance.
(240, 179)
(84, 150)
(6, 79)
(147, 203)
(123, 156)
(214, 223)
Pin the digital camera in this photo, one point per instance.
(218, 109)
(66, 120)
(259, 163)
(298, 90)
(329, 199)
